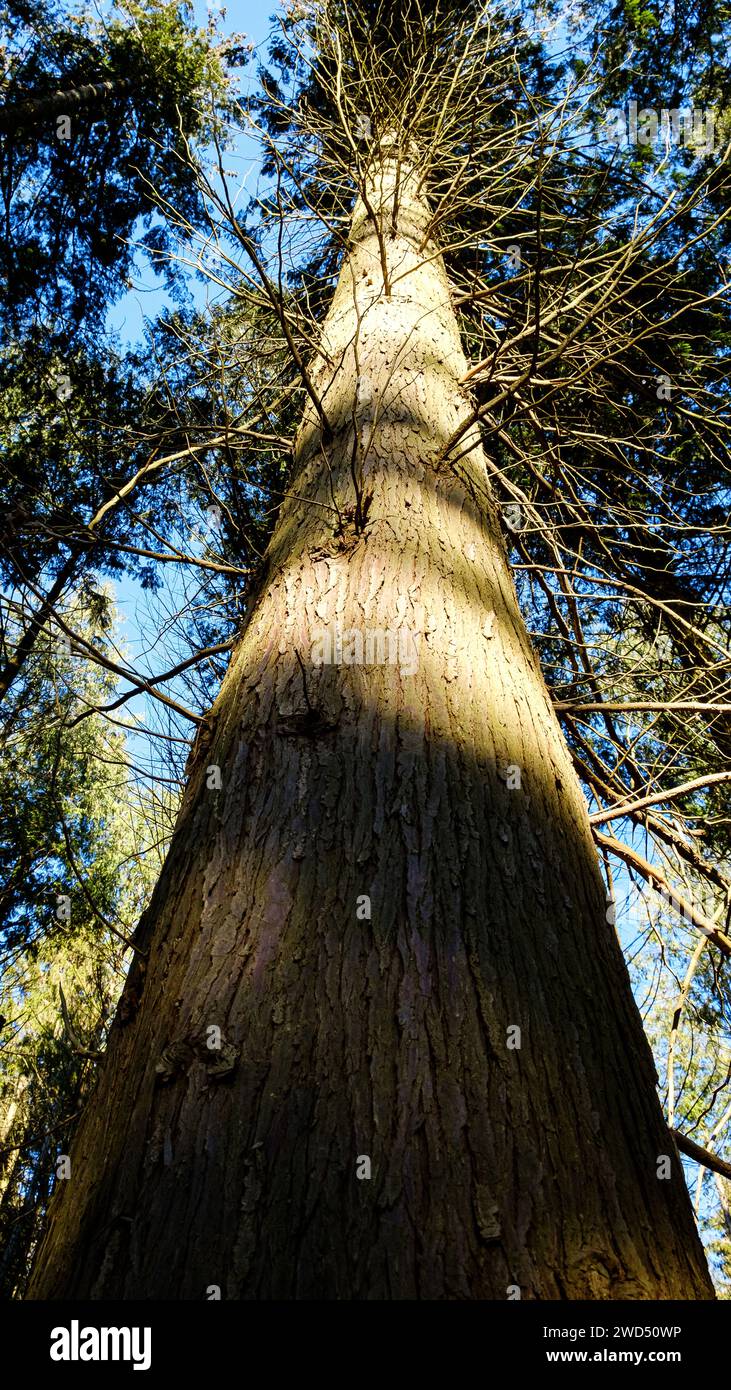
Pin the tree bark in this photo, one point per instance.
(22, 114)
(496, 1170)
(16, 1089)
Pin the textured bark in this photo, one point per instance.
(19, 115)
(15, 1092)
(492, 1166)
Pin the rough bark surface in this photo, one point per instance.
(492, 1167)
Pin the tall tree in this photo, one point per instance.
(378, 1039)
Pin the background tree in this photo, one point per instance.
(76, 866)
(94, 111)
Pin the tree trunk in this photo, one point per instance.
(386, 785)
(723, 1189)
(15, 1090)
(22, 114)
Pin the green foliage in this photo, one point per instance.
(60, 782)
(76, 195)
(76, 872)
